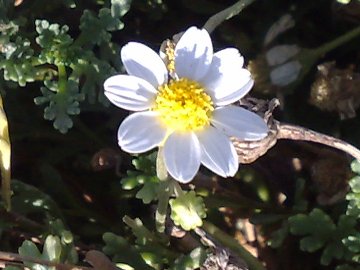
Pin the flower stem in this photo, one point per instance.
(62, 78)
(5, 162)
(161, 171)
(226, 14)
(162, 207)
(329, 46)
(177, 188)
(308, 57)
(231, 243)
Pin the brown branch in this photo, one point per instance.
(297, 133)
(249, 151)
(226, 14)
(8, 257)
(21, 221)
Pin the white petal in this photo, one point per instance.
(226, 80)
(182, 156)
(235, 96)
(217, 152)
(240, 123)
(141, 61)
(284, 23)
(225, 61)
(141, 132)
(129, 92)
(280, 54)
(193, 54)
(286, 73)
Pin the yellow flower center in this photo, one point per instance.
(183, 105)
(170, 55)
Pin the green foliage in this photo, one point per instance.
(99, 25)
(346, 267)
(51, 252)
(193, 260)
(12, 268)
(17, 62)
(148, 192)
(278, 236)
(54, 250)
(28, 199)
(317, 225)
(69, 66)
(319, 231)
(354, 196)
(300, 204)
(55, 43)
(62, 104)
(187, 210)
(352, 241)
(57, 55)
(150, 248)
(355, 166)
(122, 252)
(68, 250)
(146, 171)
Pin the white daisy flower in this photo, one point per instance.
(188, 114)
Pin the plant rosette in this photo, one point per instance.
(188, 110)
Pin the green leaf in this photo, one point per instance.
(355, 184)
(354, 195)
(12, 268)
(94, 72)
(311, 244)
(52, 249)
(355, 166)
(52, 252)
(143, 235)
(146, 163)
(148, 192)
(317, 223)
(29, 249)
(345, 226)
(187, 210)
(353, 208)
(62, 104)
(122, 252)
(55, 43)
(131, 181)
(28, 199)
(278, 236)
(95, 28)
(331, 251)
(68, 251)
(17, 63)
(346, 267)
(335, 248)
(119, 8)
(352, 242)
(192, 261)
(319, 231)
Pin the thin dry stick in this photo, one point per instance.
(249, 151)
(13, 257)
(226, 14)
(303, 134)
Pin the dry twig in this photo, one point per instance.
(248, 152)
(8, 258)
